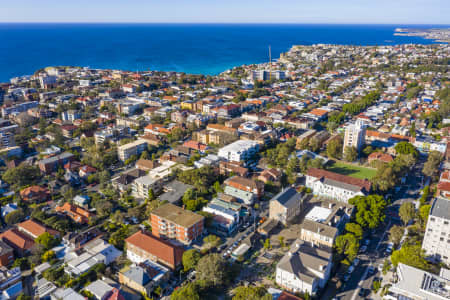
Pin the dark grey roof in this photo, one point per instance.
(441, 208)
(288, 197)
(342, 185)
(174, 191)
(138, 275)
(303, 258)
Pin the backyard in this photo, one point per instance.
(352, 170)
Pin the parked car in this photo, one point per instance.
(346, 277)
(350, 270)
(371, 270)
(380, 267)
(362, 292)
(363, 249)
(356, 262)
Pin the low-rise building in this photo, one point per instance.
(413, 283)
(305, 268)
(145, 277)
(336, 186)
(174, 222)
(134, 148)
(51, 164)
(74, 212)
(143, 246)
(239, 151)
(286, 205)
(142, 185)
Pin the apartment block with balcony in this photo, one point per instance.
(174, 222)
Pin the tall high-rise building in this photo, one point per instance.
(355, 135)
(436, 241)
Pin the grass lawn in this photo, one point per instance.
(352, 170)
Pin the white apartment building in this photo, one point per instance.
(240, 150)
(142, 185)
(355, 135)
(336, 186)
(305, 268)
(436, 242)
(134, 148)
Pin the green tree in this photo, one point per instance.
(281, 240)
(370, 210)
(21, 175)
(334, 147)
(396, 234)
(190, 259)
(267, 244)
(431, 166)
(350, 154)
(217, 187)
(411, 255)
(406, 148)
(407, 212)
(48, 255)
(211, 241)
(22, 296)
(212, 269)
(424, 212)
(47, 240)
(355, 229)
(251, 293)
(385, 178)
(189, 291)
(14, 217)
(347, 245)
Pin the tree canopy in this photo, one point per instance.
(411, 255)
(406, 148)
(370, 210)
(212, 269)
(251, 293)
(190, 259)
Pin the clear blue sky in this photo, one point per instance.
(228, 11)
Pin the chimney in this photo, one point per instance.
(290, 254)
(330, 205)
(321, 267)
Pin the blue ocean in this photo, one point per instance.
(190, 48)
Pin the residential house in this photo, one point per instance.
(20, 242)
(34, 229)
(35, 194)
(76, 213)
(144, 277)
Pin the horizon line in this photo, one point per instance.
(222, 23)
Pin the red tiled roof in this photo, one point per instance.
(163, 250)
(35, 228)
(319, 173)
(444, 186)
(116, 295)
(17, 239)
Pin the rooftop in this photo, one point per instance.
(178, 215)
(440, 208)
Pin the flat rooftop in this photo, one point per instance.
(177, 215)
(318, 214)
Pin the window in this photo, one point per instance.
(441, 239)
(432, 219)
(445, 222)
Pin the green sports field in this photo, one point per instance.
(352, 170)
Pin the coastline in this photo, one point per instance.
(194, 49)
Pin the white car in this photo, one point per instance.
(380, 267)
